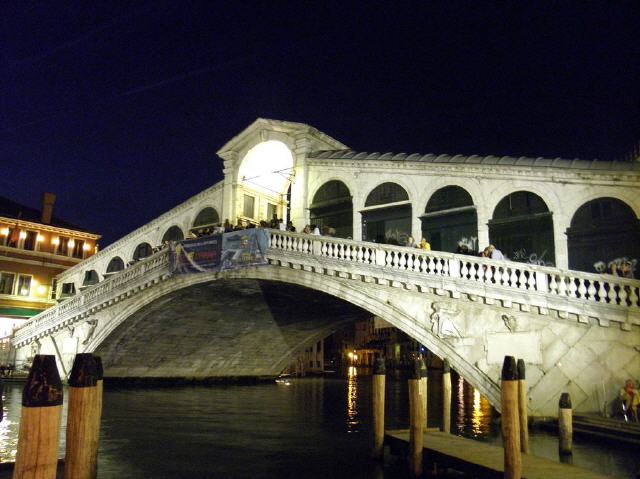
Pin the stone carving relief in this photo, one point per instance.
(93, 323)
(442, 324)
(510, 322)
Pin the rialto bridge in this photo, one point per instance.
(558, 221)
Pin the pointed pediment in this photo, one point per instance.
(263, 128)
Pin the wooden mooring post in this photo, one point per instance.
(510, 419)
(38, 437)
(446, 397)
(377, 409)
(98, 414)
(522, 408)
(416, 421)
(565, 425)
(424, 383)
(81, 420)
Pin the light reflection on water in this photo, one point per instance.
(316, 428)
(352, 399)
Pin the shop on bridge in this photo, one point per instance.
(604, 237)
(386, 217)
(332, 207)
(450, 220)
(522, 228)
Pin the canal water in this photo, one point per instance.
(308, 428)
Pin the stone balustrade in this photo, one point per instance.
(581, 295)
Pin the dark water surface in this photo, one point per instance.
(312, 428)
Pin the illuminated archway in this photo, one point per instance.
(450, 220)
(386, 217)
(522, 228)
(264, 176)
(332, 207)
(604, 233)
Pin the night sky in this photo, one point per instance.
(119, 108)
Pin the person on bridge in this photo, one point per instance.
(492, 252)
(424, 244)
(630, 398)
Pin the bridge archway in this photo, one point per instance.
(332, 207)
(173, 234)
(192, 292)
(142, 251)
(604, 234)
(522, 228)
(206, 217)
(115, 264)
(450, 220)
(264, 180)
(386, 217)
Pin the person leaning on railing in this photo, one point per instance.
(630, 398)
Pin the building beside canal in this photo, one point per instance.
(35, 247)
(560, 223)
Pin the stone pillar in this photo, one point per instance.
(483, 228)
(358, 204)
(560, 225)
(300, 186)
(416, 223)
(230, 169)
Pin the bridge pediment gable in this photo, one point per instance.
(286, 132)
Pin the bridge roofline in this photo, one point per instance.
(508, 161)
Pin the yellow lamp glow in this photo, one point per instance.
(41, 290)
(4, 231)
(71, 243)
(23, 234)
(55, 241)
(39, 238)
(86, 246)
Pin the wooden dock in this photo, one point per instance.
(483, 460)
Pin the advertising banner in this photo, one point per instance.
(237, 249)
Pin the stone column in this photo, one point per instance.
(228, 210)
(416, 223)
(300, 185)
(483, 227)
(560, 225)
(358, 204)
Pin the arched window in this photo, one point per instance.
(603, 234)
(173, 234)
(386, 193)
(522, 228)
(116, 264)
(207, 217)
(142, 251)
(332, 207)
(450, 221)
(387, 215)
(90, 277)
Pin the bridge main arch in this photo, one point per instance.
(151, 329)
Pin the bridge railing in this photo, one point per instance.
(88, 297)
(594, 288)
(607, 290)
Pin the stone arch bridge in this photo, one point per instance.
(577, 332)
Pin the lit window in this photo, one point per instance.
(6, 282)
(249, 205)
(24, 285)
(62, 246)
(78, 249)
(30, 240)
